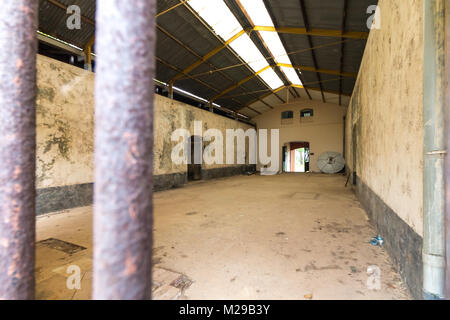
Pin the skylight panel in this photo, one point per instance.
(257, 12)
(225, 24)
(271, 78)
(247, 50)
(218, 16)
(260, 16)
(291, 75)
(273, 41)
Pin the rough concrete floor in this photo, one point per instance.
(292, 236)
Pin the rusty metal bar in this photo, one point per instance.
(123, 213)
(18, 40)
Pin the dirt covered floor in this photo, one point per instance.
(291, 236)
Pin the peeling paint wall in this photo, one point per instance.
(324, 131)
(384, 118)
(171, 115)
(65, 126)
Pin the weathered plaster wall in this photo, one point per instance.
(385, 112)
(65, 124)
(65, 137)
(325, 131)
(384, 135)
(171, 115)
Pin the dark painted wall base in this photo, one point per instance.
(402, 243)
(168, 181)
(209, 174)
(67, 197)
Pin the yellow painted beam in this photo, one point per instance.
(240, 83)
(314, 32)
(303, 31)
(334, 72)
(208, 56)
(329, 91)
(265, 96)
(171, 8)
(318, 89)
(294, 86)
(88, 51)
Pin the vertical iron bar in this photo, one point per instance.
(18, 40)
(123, 209)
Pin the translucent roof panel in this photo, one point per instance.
(223, 22)
(247, 50)
(260, 17)
(271, 78)
(276, 47)
(218, 16)
(291, 75)
(257, 12)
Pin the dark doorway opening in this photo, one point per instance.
(195, 160)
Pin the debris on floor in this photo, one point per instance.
(377, 241)
(169, 285)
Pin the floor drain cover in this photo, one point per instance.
(60, 245)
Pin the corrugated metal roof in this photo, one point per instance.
(182, 38)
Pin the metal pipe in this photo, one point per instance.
(447, 157)
(433, 254)
(123, 212)
(18, 26)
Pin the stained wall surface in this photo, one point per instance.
(65, 124)
(65, 137)
(324, 131)
(384, 119)
(385, 138)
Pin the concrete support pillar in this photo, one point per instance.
(123, 213)
(18, 40)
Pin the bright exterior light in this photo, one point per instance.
(218, 16)
(260, 17)
(225, 25)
